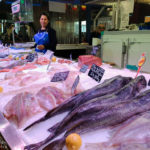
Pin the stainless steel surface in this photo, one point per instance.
(10, 134)
(118, 14)
(71, 46)
(99, 2)
(24, 45)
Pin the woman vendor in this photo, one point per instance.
(45, 39)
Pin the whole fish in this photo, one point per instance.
(108, 118)
(89, 109)
(14, 64)
(108, 86)
(98, 104)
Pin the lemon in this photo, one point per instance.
(73, 141)
(17, 58)
(1, 89)
(53, 59)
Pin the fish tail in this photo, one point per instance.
(32, 147)
(53, 128)
(38, 121)
(56, 145)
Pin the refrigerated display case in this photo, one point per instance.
(125, 48)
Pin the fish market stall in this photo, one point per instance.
(34, 86)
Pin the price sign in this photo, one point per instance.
(30, 57)
(84, 68)
(61, 76)
(51, 56)
(3, 144)
(96, 72)
(75, 84)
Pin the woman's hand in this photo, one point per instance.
(41, 47)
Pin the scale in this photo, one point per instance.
(15, 7)
(22, 11)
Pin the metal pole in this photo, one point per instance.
(117, 14)
(98, 14)
(91, 2)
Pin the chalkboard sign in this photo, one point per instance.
(61, 76)
(3, 144)
(84, 68)
(51, 56)
(30, 57)
(75, 84)
(96, 72)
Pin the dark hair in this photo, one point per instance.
(45, 14)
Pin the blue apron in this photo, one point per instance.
(41, 38)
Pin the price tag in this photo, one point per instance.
(51, 56)
(61, 76)
(30, 57)
(84, 68)
(71, 56)
(75, 84)
(96, 72)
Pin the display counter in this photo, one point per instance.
(30, 81)
(39, 131)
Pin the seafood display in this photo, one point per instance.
(89, 60)
(119, 105)
(10, 65)
(106, 87)
(105, 119)
(21, 107)
(132, 134)
(93, 110)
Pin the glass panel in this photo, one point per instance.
(66, 26)
(83, 26)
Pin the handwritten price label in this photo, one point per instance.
(96, 72)
(75, 84)
(84, 68)
(61, 76)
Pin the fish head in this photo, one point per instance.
(141, 83)
(126, 80)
